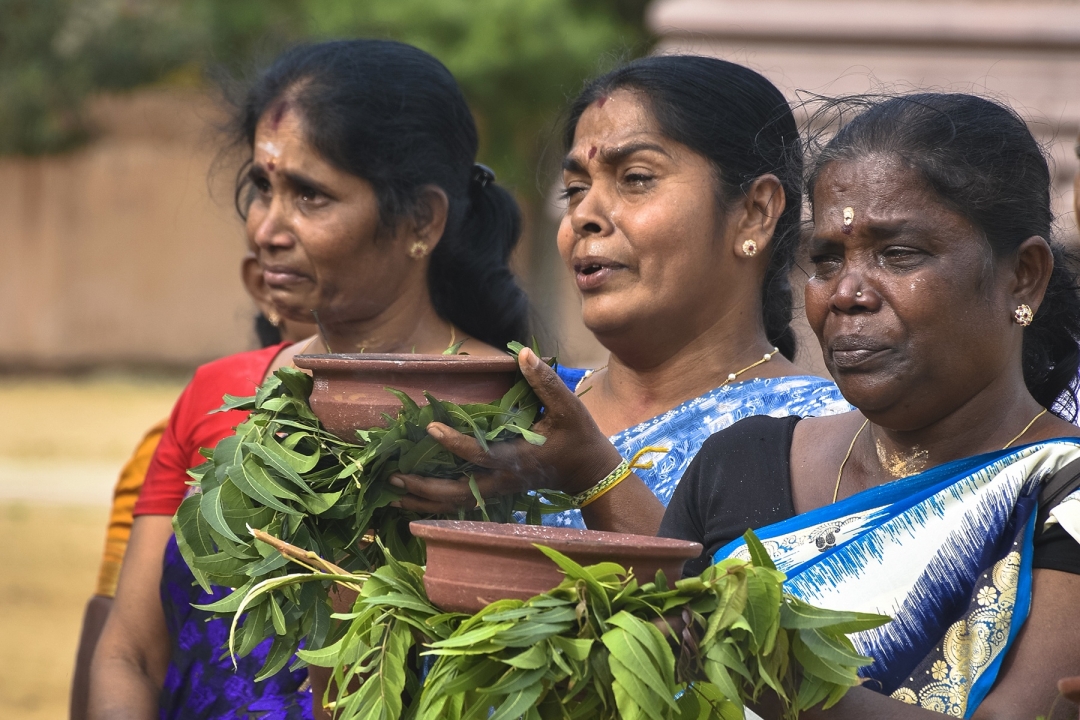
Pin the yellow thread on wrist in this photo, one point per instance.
(624, 470)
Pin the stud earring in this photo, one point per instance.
(749, 248)
(274, 318)
(418, 250)
(1023, 315)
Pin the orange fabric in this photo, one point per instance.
(125, 494)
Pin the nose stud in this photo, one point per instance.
(858, 293)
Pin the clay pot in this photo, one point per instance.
(470, 564)
(350, 390)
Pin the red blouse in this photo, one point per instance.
(191, 426)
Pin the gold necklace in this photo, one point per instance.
(730, 378)
(840, 474)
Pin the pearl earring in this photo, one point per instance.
(750, 248)
(418, 250)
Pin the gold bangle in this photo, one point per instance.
(622, 471)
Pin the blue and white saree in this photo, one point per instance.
(946, 553)
(682, 430)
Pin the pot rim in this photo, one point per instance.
(502, 536)
(406, 363)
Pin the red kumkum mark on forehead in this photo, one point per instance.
(270, 165)
(592, 152)
(601, 100)
(846, 229)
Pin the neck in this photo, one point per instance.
(408, 324)
(989, 421)
(648, 375)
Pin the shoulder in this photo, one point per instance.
(239, 374)
(751, 435)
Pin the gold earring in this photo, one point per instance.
(749, 248)
(274, 318)
(1023, 315)
(418, 249)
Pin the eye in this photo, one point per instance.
(260, 182)
(826, 263)
(902, 256)
(308, 194)
(637, 178)
(570, 192)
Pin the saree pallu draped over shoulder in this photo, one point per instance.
(945, 553)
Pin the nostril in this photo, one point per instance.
(591, 227)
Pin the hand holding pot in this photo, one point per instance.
(575, 457)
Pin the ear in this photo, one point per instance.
(763, 203)
(1034, 265)
(252, 275)
(432, 211)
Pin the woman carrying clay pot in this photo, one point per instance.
(682, 181)
(365, 206)
(948, 500)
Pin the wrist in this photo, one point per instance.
(603, 459)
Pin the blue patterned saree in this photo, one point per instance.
(683, 429)
(946, 553)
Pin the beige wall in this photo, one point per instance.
(115, 254)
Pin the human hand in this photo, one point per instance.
(575, 456)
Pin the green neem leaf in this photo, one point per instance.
(630, 655)
(531, 437)
(252, 480)
(827, 670)
(298, 384)
(796, 614)
(758, 554)
(837, 650)
(210, 509)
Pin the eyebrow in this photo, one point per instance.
(615, 155)
(293, 178)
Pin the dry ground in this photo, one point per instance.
(61, 446)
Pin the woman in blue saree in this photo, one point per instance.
(682, 180)
(948, 500)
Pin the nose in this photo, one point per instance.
(854, 293)
(271, 229)
(591, 216)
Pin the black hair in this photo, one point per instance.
(981, 160)
(393, 115)
(741, 123)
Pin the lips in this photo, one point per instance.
(281, 276)
(592, 272)
(850, 352)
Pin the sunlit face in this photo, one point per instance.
(316, 230)
(642, 232)
(913, 314)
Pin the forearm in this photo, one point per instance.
(861, 703)
(629, 507)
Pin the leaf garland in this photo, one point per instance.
(600, 645)
(284, 474)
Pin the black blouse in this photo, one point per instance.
(741, 479)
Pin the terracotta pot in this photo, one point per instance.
(470, 564)
(350, 390)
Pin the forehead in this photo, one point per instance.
(614, 119)
(876, 187)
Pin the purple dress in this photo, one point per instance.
(201, 681)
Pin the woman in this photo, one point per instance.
(368, 212)
(682, 179)
(948, 499)
(270, 329)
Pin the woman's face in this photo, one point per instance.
(913, 314)
(316, 231)
(642, 232)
